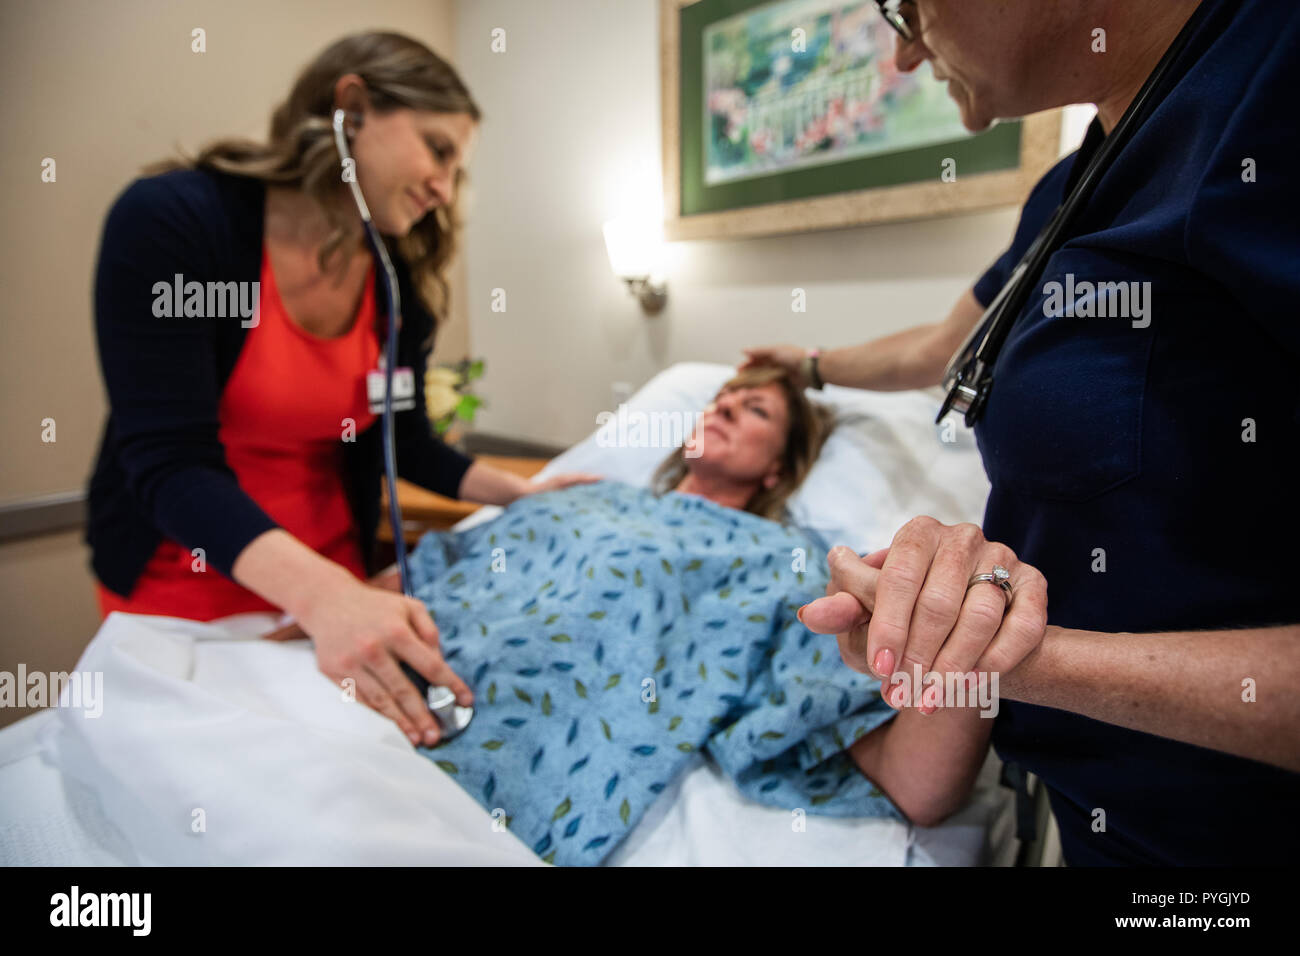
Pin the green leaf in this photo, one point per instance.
(757, 618)
(493, 744)
(674, 723)
(616, 572)
(596, 615)
(613, 681)
(685, 747)
(737, 563)
(564, 807)
(729, 674)
(724, 593)
(704, 671)
(561, 638)
(694, 565)
(523, 695)
(591, 571)
(822, 798)
(660, 664)
(654, 706)
(817, 656)
(580, 688)
(668, 568)
(467, 406)
(770, 735)
(550, 857)
(546, 704)
(877, 792)
(605, 727)
(550, 619)
(624, 811)
(492, 693)
(447, 766)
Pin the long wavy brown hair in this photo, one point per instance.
(300, 152)
(810, 425)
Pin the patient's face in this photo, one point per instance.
(742, 434)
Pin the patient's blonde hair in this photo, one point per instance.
(810, 424)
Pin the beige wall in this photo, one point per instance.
(104, 87)
(571, 138)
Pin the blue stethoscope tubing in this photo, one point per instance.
(441, 700)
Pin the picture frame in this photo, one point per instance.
(807, 192)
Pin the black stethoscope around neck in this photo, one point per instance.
(968, 377)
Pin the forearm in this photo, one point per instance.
(278, 567)
(926, 764)
(913, 358)
(491, 486)
(1234, 691)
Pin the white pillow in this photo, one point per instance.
(883, 464)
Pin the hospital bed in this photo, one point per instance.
(215, 747)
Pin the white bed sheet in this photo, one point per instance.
(206, 717)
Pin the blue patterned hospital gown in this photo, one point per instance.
(608, 634)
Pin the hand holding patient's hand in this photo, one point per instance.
(907, 607)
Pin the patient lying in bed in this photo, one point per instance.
(609, 632)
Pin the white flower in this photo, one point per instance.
(441, 399)
(441, 376)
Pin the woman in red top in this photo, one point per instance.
(299, 380)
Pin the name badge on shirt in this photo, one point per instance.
(403, 390)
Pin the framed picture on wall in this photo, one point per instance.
(786, 116)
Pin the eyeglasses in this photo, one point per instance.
(891, 10)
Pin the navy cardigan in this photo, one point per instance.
(161, 469)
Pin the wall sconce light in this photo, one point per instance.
(635, 247)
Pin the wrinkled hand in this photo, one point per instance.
(556, 482)
(907, 608)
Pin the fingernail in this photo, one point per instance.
(883, 665)
(430, 737)
(799, 614)
(415, 738)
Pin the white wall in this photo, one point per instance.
(570, 139)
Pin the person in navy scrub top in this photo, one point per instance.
(1142, 441)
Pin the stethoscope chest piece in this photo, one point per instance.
(452, 718)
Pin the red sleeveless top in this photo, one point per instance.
(283, 415)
